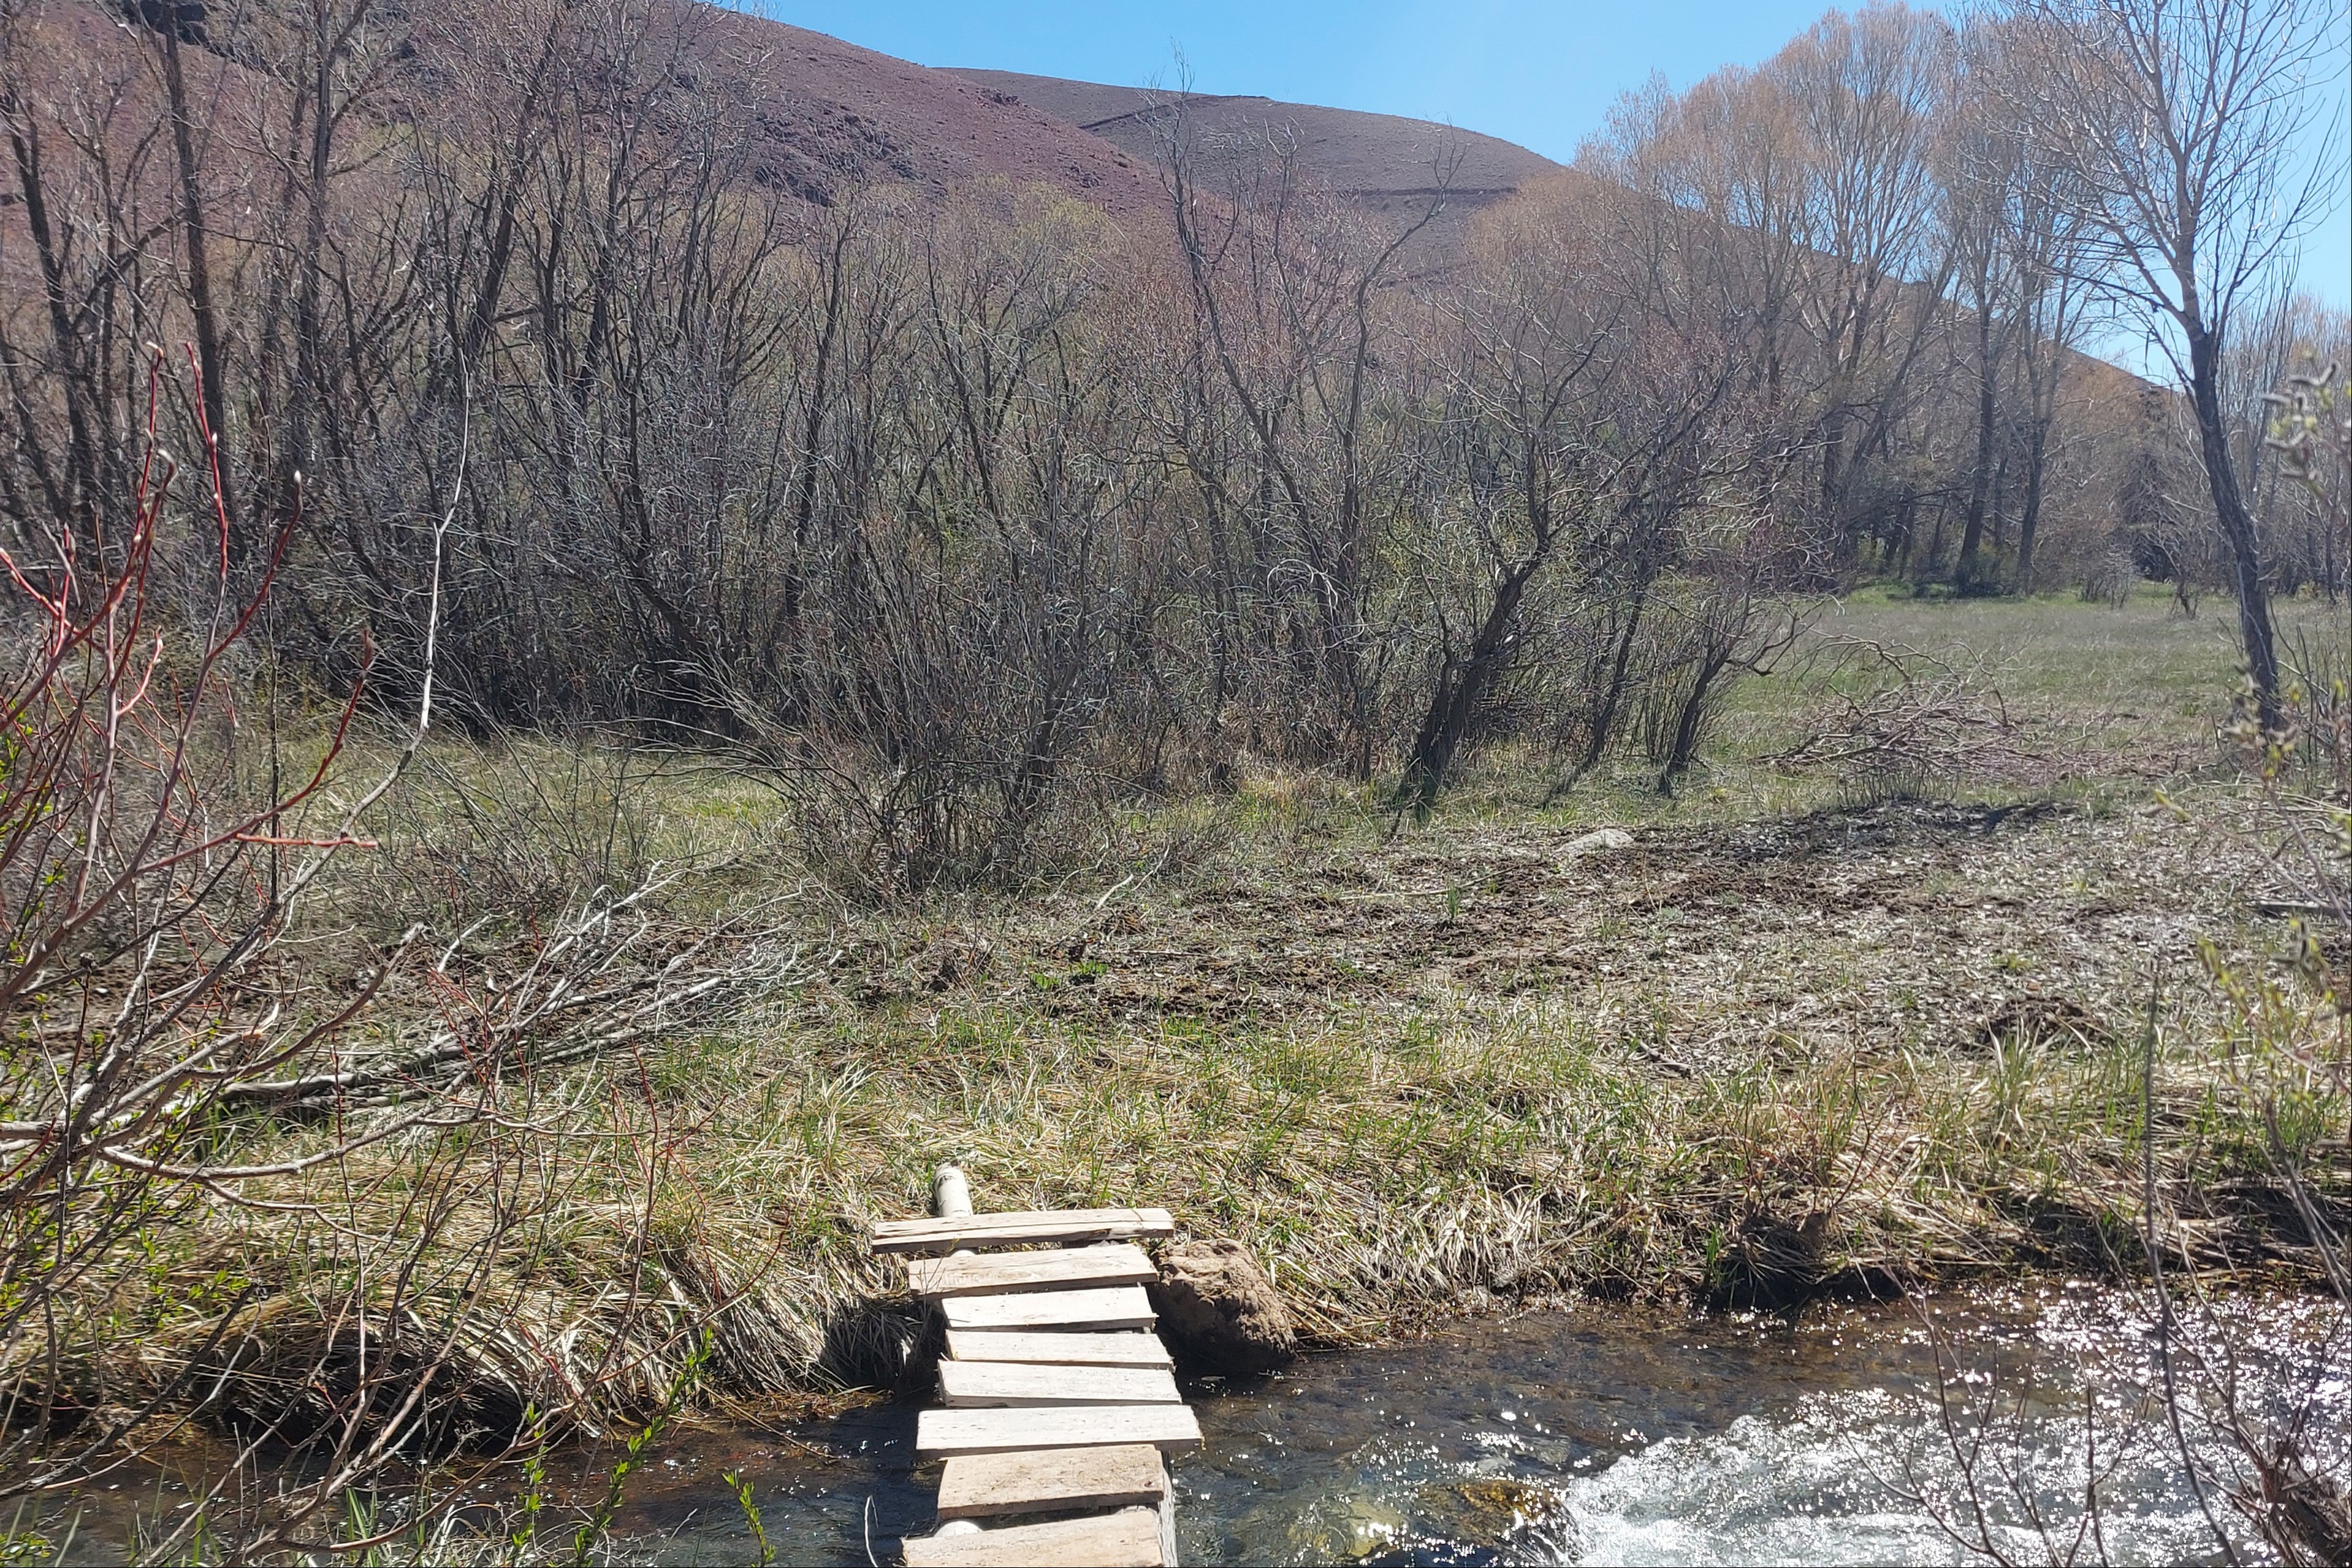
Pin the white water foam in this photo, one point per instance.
(1841, 1481)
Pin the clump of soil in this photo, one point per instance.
(1220, 1311)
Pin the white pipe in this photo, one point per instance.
(952, 1199)
(951, 1194)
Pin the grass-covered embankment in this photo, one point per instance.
(1797, 1035)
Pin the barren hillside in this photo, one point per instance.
(845, 113)
(829, 115)
(1366, 155)
(1383, 163)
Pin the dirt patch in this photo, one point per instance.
(1898, 923)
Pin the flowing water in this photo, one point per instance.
(1601, 1436)
(1597, 1436)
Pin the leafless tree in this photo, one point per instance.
(2184, 126)
(1584, 402)
(2017, 245)
(1286, 309)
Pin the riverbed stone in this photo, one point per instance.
(1218, 1310)
(1488, 1511)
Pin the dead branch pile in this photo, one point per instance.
(1922, 724)
(598, 980)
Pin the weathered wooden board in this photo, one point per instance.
(1059, 1350)
(1115, 1306)
(1128, 1538)
(1051, 1480)
(978, 1383)
(1067, 1226)
(947, 1432)
(997, 1273)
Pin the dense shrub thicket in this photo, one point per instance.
(947, 503)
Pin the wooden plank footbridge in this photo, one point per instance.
(1058, 1404)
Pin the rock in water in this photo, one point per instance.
(1218, 1310)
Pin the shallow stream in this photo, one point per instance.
(1596, 1435)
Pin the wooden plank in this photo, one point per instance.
(1119, 1307)
(1059, 1350)
(1066, 1226)
(1051, 1480)
(947, 1432)
(977, 1382)
(1128, 1538)
(998, 1273)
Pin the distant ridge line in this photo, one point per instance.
(1359, 153)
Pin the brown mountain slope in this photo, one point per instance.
(1365, 155)
(829, 115)
(1382, 163)
(843, 114)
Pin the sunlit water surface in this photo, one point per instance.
(1596, 1436)
(1599, 1435)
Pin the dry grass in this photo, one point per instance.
(1778, 1045)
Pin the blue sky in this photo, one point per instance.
(1542, 75)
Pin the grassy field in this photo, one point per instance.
(1801, 1027)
